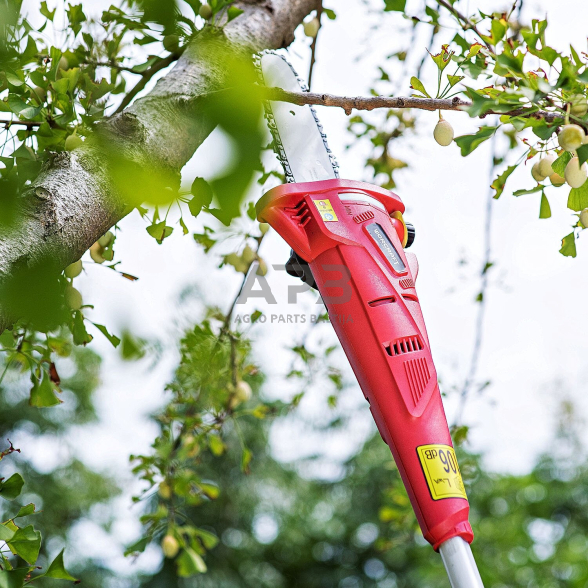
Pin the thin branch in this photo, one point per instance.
(466, 21)
(113, 65)
(319, 12)
(23, 123)
(348, 103)
(147, 75)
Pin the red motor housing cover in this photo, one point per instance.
(344, 230)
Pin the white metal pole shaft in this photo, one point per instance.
(460, 564)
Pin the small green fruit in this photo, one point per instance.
(311, 28)
(106, 239)
(536, 173)
(575, 174)
(63, 63)
(443, 133)
(96, 252)
(73, 142)
(545, 168)
(556, 180)
(38, 94)
(170, 546)
(264, 228)
(584, 218)
(74, 270)
(164, 490)
(261, 268)
(579, 105)
(571, 137)
(248, 254)
(73, 298)
(171, 43)
(205, 12)
(243, 391)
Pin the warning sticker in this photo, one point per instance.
(326, 210)
(441, 471)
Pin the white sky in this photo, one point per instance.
(535, 342)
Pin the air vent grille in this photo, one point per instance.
(363, 216)
(418, 376)
(404, 345)
(300, 213)
(406, 283)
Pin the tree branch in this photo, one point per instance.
(348, 103)
(75, 199)
(466, 21)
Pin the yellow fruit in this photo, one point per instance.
(38, 94)
(72, 142)
(74, 270)
(261, 268)
(170, 546)
(248, 254)
(311, 28)
(571, 137)
(243, 391)
(205, 11)
(63, 63)
(537, 175)
(545, 168)
(575, 174)
(584, 218)
(264, 228)
(579, 105)
(106, 239)
(164, 490)
(443, 133)
(557, 180)
(73, 298)
(96, 252)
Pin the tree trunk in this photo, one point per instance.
(74, 200)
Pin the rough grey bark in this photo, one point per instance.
(74, 200)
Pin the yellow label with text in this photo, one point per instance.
(441, 471)
(326, 210)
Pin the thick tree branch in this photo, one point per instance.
(348, 103)
(75, 200)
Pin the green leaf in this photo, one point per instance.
(246, 458)
(13, 79)
(160, 231)
(50, 14)
(208, 539)
(6, 534)
(57, 570)
(330, 13)
(251, 213)
(13, 578)
(499, 183)
(256, 316)
(578, 198)
(25, 511)
(26, 543)
(531, 191)
(43, 393)
(233, 12)
(559, 165)
(468, 143)
(568, 245)
(190, 563)
(418, 85)
(582, 153)
(394, 5)
(454, 80)
(202, 192)
(78, 329)
(11, 488)
(545, 209)
(114, 340)
(137, 547)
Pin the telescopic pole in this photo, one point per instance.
(460, 564)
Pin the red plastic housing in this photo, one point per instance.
(368, 288)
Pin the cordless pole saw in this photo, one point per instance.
(348, 240)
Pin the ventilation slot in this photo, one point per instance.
(410, 297)
(406, 283)
(363, 217)
(300, 213)
(384, 300)
(418, 376)
(404, 345)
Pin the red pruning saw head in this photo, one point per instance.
(348, 240)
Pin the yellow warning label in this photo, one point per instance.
(326, 210)
(441, 471)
